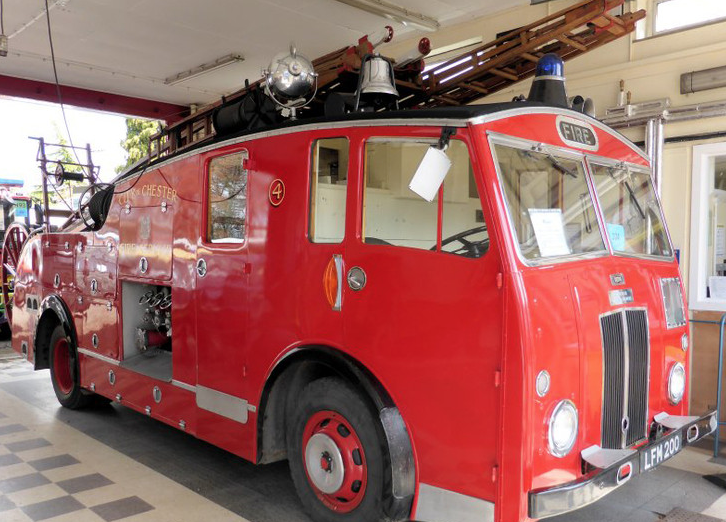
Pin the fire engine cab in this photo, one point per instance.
(456, 314)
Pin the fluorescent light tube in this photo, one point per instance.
(204, 68)
(395, 13)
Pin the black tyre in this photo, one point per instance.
(338, 454)
(65, 371)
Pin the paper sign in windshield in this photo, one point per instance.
(430, 173)
(617, 236)
(549, 231)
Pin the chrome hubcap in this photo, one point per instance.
(324, 463)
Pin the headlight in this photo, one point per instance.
(676, 383)
(675, 311)
(563, 428)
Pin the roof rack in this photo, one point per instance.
(461, 80)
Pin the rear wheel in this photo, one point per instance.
(65, 371)
(338, 455)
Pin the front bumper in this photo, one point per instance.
(549, 502)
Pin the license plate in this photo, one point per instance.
(660, 452)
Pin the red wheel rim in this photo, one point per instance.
(15, 237)
(334, 460)
(62, 366)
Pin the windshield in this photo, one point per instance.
(632, 215)
(549, 203)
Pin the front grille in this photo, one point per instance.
(626, 357)
(639, 352)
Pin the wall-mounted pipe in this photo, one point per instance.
(703, 80)
(654, 138)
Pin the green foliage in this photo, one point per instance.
(138, 135)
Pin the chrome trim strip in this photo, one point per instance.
(184, 386)
(89, 353)
(441, 505)
(489, 118)
(222, 404)
(393, 122)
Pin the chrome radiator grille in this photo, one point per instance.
(626, 362)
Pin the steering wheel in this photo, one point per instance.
(467, 248)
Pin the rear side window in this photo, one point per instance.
(394, 215)
(227, 199)
(329, 178)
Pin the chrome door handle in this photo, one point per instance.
(356, 278)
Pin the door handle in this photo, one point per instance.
(356, 278)
(201, 267)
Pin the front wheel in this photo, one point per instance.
(65, 371)
(338, 454)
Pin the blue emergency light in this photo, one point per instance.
(548, 86)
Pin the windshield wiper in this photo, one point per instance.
(633, 199)
(559, 166)
(553, 161)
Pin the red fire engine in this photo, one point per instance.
(451, 314)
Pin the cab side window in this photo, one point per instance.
(329, 178)
(395, 215)
(227, 199)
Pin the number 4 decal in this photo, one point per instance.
(276, 192)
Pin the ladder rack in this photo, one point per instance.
(464, 79)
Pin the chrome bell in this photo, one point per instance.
(377, 76)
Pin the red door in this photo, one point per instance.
(221, 298)
(428, 323)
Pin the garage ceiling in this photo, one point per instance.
(130, 47)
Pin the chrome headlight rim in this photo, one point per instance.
(673, 398)
(565, 450)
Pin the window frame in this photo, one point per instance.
(609, 162)
(425, 140)
(311, 166)
(207, 204)
(701, 190)
(654, 21)
(523, 144)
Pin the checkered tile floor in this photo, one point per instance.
(52, 472)
(23, 477)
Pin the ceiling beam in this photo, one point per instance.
(88, 99)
